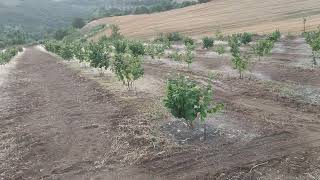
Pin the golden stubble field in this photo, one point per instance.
(230, 16)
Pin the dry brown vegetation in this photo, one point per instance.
(258, 16)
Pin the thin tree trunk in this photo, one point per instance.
(128, 84)
(314, 60)
(204, 131)
(101, 72)
(190, 124)
(240, 74)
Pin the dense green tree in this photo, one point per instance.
(78, 23)
(120, 46)
(66, 51)
(128, 68)
(240, 63)
(189, 54)
(8, 54)
(186, 99)
(98, 57)
(219, 35)
(188, 41)
(315, 46)
(155, 50)
(115, 32)
(174, 36)
(263, 47)
(60, 34)
(234, 43)
(245, 38)
(207, 42)
(203, 1)
(80, 51)
(220, 49)
(141, 10)
(11, 36)
(53, 46)
(274, 36)
(137, 48)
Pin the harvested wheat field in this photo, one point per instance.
(257, 16)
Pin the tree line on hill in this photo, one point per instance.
(12, 35)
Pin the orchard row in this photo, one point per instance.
(8, 54)
(184, 97)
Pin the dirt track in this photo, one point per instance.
(56, 123)
(50, 116)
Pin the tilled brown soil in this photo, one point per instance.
(265, 132)
(55, 124)
(58, 124)
(259, 126)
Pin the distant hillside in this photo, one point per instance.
(259, 16)
(39, 14)
(35, 15)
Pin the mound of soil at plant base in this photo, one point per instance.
(186, 135)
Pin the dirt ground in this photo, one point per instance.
(61, 120)
(56, 124)
(270, 127)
